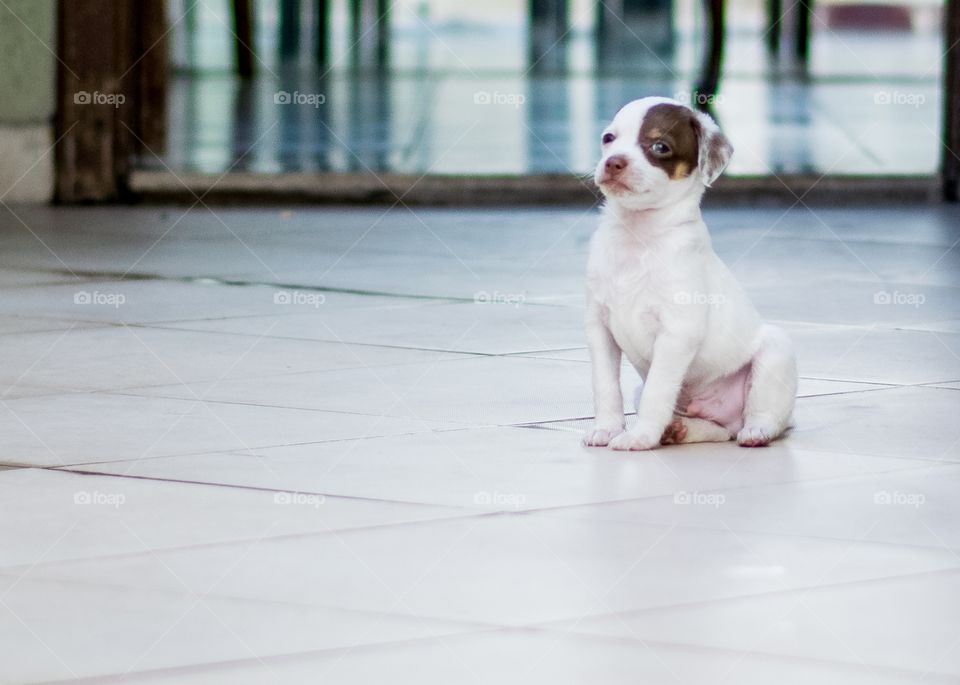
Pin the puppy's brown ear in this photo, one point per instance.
(714, 150)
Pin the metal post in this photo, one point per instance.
(243, 34)
(289, 29)
(951, 99)
(322, 21)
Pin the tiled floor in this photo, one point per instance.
(342, 446)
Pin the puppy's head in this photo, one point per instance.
(657, 151)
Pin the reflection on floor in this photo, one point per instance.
(871, 106)
(372, 467)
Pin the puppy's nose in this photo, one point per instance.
(615, 164)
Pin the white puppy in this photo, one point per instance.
(657, 292)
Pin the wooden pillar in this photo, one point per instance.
(91, 103)
(150, 75)
(111, 89)
(951, 98)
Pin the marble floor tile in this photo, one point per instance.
(76, 428)
(504, 468)
(517, 657)
(74, 516)
(508, 569)
(120, 357)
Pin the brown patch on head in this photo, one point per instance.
(676, 126)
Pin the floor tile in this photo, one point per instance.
(822, 624)
(510, 569)
(813, 387)
(878, 305)
(519, 657)
(160, 300)
(58, 430)
(12, 325)
(869, 423)
(17, 278)
(73, 516)
(896, 506)
(862, 423)
(763, 261)
(876, 355)
(75, 359)
(934, 226)
(476, 391)
(503, 469)
(498, 323)
(948, 326)
(461, 275)
(65, 631)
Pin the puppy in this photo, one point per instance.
(657, 292)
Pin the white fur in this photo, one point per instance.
(657, 293)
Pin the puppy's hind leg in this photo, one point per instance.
(773, 389)
(685, 429)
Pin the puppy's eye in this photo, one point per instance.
(660, 149)
(608, 138)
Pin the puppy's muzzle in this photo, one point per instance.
(613, 168)
(615, 165)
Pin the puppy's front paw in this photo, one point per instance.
(755, 436)
(635, 440)
(600, 435)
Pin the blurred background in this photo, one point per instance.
(500, 87)
(361, 99)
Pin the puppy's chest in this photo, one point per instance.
(632, 298)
